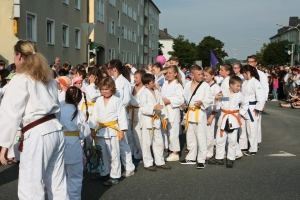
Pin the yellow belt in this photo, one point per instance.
(163, 121)
(196, 110)
(71, 133)
(89, 104)
(111, 124)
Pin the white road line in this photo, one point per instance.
(282, 154)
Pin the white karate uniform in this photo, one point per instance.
(147, 103)
(253, 91)
(107, 137)
(263, 79)
(41, 162)
(61, 97)
(136, 128)
(212, 128)
(73, 151)
(196, 131)
(124, 93)
(173, 92)
(182, 76)
(236, 101)
(225, 86)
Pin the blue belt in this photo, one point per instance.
(249, 112)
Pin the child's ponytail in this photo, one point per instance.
(73, 96)
(86, 107)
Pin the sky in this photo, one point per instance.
(243, 25)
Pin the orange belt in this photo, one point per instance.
(229, 112)
(132, 107)
(163, 121)
(196, 110)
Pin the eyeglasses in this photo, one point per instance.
(251, 61)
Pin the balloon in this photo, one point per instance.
(161, 59)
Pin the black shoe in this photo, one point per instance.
(248, 153)
(201, 165)
(213, 161)
(229, 163)
(187, 162)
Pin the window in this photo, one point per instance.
(125, 8)
(125, 32)
(129, 11)
(123, 57)
(128, 35)
(112, 2)
(134, 15)
(142, 40)
(119, 46)
(31, 26)
(100, 10)
(142, 3)
(50, 31)
(119, 19)
(142, 21)
(111, 27)
(65, 35)
(65, 2)
(77, 38)
(111, 54)
(77, 4)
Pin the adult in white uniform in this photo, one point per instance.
(32, 96)
(123, 86)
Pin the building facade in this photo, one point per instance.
(54, 26)
(288, 32)
(167, 43)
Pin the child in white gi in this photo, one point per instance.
(233, 105)
(134, 115)
(254, 93)
(212, 113)
(172, 94)
(196, 121)
(75, 127)
(152, 109)
(108, 123)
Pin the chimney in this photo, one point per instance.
(293, 21)
(166, 31)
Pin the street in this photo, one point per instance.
(274, 173)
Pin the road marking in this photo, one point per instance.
(282, 154)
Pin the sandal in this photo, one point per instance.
(164, 166)
(111, 182)
(150, 168)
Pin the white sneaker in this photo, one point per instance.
(238, 156)
(274, 100)
(127, 173)
(172, 157)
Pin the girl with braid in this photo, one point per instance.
(75, 128)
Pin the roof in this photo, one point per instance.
(155, 6)
(163, 35)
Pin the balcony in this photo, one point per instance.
(145, 49)
(146, 31)
(146, 13)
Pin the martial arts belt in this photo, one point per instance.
(89, 104)
(196, 110)
(71, 133)
(32, 125)
(163, 121)
(132, 107)
(111, 124)
(229, 112)
(249, 111)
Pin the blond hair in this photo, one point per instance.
(178, 76)
(211, 71)
(34, 64)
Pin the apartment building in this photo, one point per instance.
(53, 25)
(125, 30)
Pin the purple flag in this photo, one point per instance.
(213, 60)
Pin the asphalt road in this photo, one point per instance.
(274, 173)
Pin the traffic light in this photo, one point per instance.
(93, 48)
(92, 53)
(297, 49)
(288, 49)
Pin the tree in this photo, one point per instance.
(184, 50)
(274, 53)
(210, 44)
(260, 55)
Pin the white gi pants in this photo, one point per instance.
(196, 140)
(111, 156)
(42, 167)
(252, 133)
(74, 180)
(210, 137)
(171, 136)
(157, 146)
(221, 142)
(134, 139)
(242, 134)
(259, 134)
(125, 152)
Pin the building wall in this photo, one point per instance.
(153, 32)
(57, 12)
(167, 46)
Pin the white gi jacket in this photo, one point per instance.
(173, 92)
(147, 103)
(114, 110)
(135, 101)
(123, 90)
(204, 94)
(73, 150)
(253, 91)
(237, 102)
(214, 89)
(225, 86)
(26, 101)
(264, 82)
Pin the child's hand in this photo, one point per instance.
(2, 156)
(184, 106)
(92, 79)
(157, 86)
(121, 136)
(93, 134)
(256, 112)
(219, 95)
(198, 103)
(210, 119)
(158, 107)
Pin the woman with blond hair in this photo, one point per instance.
(31, 102)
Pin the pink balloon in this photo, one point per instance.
(161, 59)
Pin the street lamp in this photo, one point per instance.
(291, 27)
